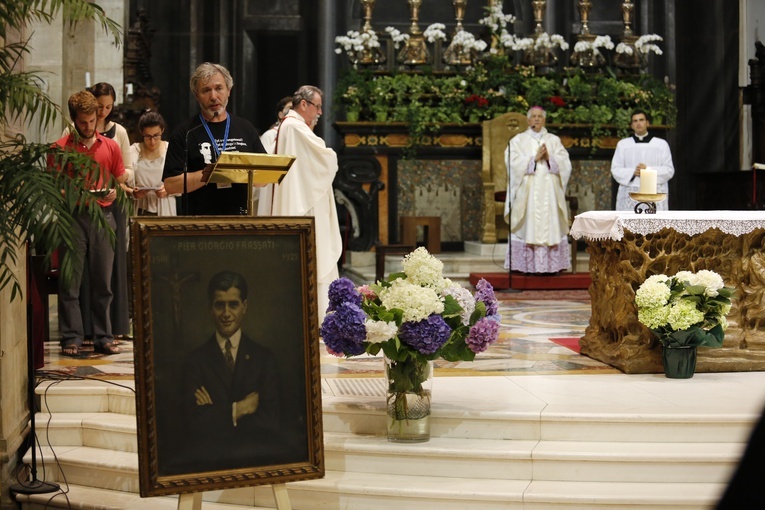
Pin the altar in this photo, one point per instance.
(625, 248)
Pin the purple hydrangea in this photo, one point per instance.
(343, 330)
(483, 333)
(342, 291)
(425, 336)
(485, 293)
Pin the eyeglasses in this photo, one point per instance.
(317, 106)
(158, 136)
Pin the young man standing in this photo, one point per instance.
(92, 242)
(639, 151)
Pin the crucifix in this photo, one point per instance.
(176, 281)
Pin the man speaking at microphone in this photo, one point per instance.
(199, 142)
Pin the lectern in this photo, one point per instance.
(251, 169)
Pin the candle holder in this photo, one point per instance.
(456, 54)
(539, 56)
(373, 55)
(646, 202)
(629, 59)
(415, 51)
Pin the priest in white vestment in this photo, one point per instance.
(306, 190)
(641, 150)
(535, 207)
(262, 194)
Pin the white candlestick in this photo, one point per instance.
(648, 181)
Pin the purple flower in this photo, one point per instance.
(342, 291)
(485, 293)
(343, 330)
(427, 335)
(483, 333)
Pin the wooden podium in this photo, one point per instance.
(251, 169)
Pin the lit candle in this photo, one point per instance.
(648, 181)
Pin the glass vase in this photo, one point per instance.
(679, 362)
(409, 386)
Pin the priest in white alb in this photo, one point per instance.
(538, 169)
(306, 190)
(640, 151)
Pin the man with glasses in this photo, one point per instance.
(306, 190)
(199, 142)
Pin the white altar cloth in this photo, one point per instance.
(602, 225)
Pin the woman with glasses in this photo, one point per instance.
(149, 160)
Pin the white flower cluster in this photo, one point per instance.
(551, 41)
(422, 268)
(468, 42)
(355, 42)
(497, 20)
(396, 36)
(712, 281)
(380, 331)
(435, 32)
(654, 292)
(601, 41)
(417, 302)
(644, 45)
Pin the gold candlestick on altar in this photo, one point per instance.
(627, 8)
(415, 51)
(539, 7)
(367, 5)
(369, 56)
(584, 14)
(457, 54)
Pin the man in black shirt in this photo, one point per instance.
(200, 141)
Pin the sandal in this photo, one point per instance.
(107, 348)
(71, 350)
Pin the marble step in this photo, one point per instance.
(368, 495)
(477, 458)
(356, 406)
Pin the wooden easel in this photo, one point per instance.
(248, 168)
(194, 501)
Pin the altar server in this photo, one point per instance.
(640, 151)
(538, 169)
(306, 190)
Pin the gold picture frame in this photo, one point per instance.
(188, 443)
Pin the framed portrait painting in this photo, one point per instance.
(228, 382)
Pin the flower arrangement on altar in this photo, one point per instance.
(687, 309)
(358, 45)
(601, 41)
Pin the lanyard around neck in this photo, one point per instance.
(212, 138)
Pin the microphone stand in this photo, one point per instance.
(33, 486)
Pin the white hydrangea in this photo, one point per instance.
(417, 302)
(464, 298)
(380, 331)
(422, 268)
(652, 294)
(683, 314)
(711, 280)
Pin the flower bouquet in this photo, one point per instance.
(414, 317)
(685, 311)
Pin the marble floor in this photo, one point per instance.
(539, 330)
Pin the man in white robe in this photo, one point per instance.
(535, 207)
(306, 190)
(633, 154)
(262, 194)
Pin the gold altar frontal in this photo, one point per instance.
(619, 267)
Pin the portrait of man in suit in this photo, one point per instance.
(231, 388)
